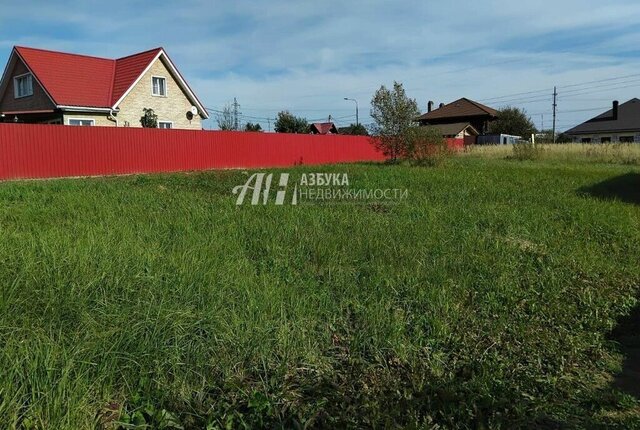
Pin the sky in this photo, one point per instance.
(307, 56)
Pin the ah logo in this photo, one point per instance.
(260, 184)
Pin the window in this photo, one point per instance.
(626, 139)
(159, 86)
(605, 139)
(23, 85)
(165, 124)
(81, 122)
(586, 140)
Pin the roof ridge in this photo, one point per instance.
(479, 105)
(113, 81)
(64, 53)
(159, 48)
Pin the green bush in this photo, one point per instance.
(426, 146)
(526, 151)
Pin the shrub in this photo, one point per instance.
(526, 151)
(426, 146)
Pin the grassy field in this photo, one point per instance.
(483, 300)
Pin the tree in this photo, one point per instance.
(514, 121)
(355, 130)
(225, 118)
(288, 123)
(252, 127)
(394, 113)
(149, 119)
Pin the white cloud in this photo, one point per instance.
(306, 56)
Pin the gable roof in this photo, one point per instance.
(454, 129)
(70, 79)
(73, 80)
(460, 108)
(324, 127)
(628, 120)
(128, 69)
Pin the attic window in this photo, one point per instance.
(23, 85)
(159, 86)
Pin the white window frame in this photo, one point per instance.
(93, 122)
(165, 86)
(165, 122)
(16, 86)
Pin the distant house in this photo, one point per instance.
(459, 112)
(40, 86)
(323, 128)
(619, 124)
(458, 130)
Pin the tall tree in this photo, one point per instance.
(149, 119)
(289, 123)
(394, 113)
(225, 118)
(514, 121)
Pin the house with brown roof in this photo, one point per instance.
(41, 86)
(462, 115)
(619, 124)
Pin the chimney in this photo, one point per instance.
(615, 110)
(441, 105)
(429, 106)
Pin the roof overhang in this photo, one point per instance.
(174, 71)
(629, 130)
(24, 112)
(86, 109)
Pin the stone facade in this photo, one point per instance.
(173, 107)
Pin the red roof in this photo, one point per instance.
(324, 128)
(82, 80)
(127, 71)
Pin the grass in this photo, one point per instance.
(483, 300)
(612, 153)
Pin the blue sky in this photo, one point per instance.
(306, 56)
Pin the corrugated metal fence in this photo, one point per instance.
(49, 151)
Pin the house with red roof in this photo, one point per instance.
(41, 86)
(323, 128)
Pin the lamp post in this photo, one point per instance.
(354, 100)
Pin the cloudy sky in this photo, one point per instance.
(306, 56)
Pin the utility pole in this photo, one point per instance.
(269, 124)
(542, 123)
(357, 118)
(555, 105)
(236, 105)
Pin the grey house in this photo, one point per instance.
(620, 124)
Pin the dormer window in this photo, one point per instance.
(23, 86)
(159, 86)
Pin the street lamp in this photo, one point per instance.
(354, 100)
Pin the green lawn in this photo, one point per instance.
(484, 299)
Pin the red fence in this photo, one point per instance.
(48, 151)
(51, 151)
